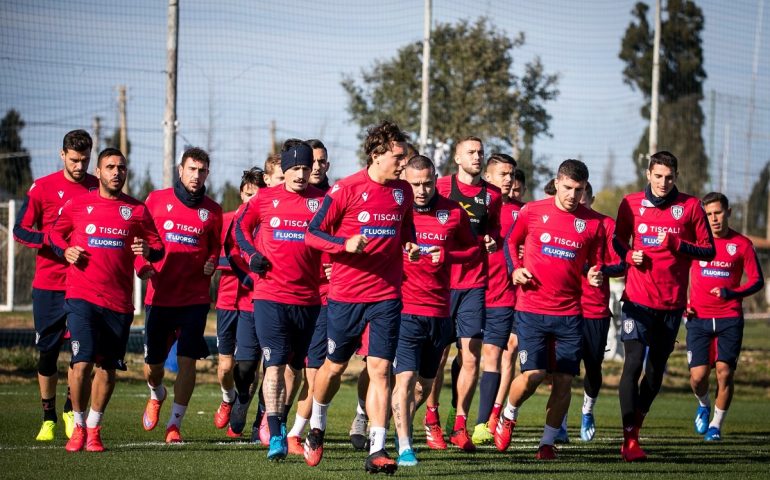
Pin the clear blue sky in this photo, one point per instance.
(243, 64)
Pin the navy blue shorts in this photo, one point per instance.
(284, 332)
(346, 323)
(227, 323)
(550, 342)
(247, 348)
(50, 318)
(711, 340)
(467, 309)
(421, 342)
(97, 334)
(514, 325)
(164, 325)
(498, 326)
(595, 339)
(316, 353)
(646, 324)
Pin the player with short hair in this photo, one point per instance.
(500, 341)
(550, 188)
(715, 314)
(444, 237)
(317, 349)
(99, 234)
(364, 222)
(560, 238)
(596, 323)
(39, 211)
(659, 231)
(190, 224)
(482, 202)
(233, 298)
(286, 298)
(273, 172)
(519, 188)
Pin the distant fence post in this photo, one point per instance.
(10, 273)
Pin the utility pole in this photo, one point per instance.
(750, 132)
(653, 135)
(97, 128)
(712, 122)
(515, 134)
(123, 125)
(169, 116)
(273, 146)
(725, 161)
(425, 104)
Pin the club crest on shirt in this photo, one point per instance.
(628, 326)
(442, 216)
(398, 195)
(523, 356)
(125, 212)
(677, 211)
(580, 225)
(203, 214)
(266, 353)
(75, 347)
(732, 248)
(330, 346)
(488, 199)
(313, 204)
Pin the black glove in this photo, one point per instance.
(259, 264)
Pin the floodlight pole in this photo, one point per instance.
(652, 146)
(425, 102)
(169, 117)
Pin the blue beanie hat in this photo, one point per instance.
(300, 154)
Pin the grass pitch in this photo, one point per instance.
(675, 451)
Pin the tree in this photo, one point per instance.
(145, 187)
(757, 205)
(231, 197)
(681, 87)
(608, 199)
(15, 169)
(473, 89)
